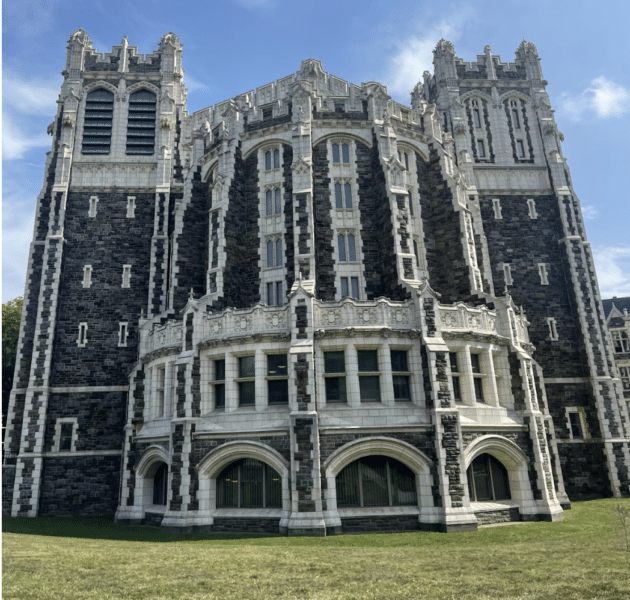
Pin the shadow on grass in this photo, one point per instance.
(104, 528)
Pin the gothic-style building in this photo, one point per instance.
(310, 309)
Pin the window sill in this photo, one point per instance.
(374, 511)
(247, 512)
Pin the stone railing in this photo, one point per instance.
(161, 336)
(259, 319)
(459, 317)
(355, 313)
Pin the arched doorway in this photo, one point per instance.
(488, 479)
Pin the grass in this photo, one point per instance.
(59, 558)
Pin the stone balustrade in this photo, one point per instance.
(459, 317)
(355, 313)
(257, 319)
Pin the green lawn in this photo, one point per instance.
(58, 558)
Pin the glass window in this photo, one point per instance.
(268, 160)
(455, 376)
(476, 117)
(488, 479)
(352, 255)
(219, 383)
(277, 379)
(269, 253)
(477, 377)
(354, 282)
(481, 150)
(344, 287)
(278, 253)
(400, 375)
(159, 391)
(335, 363)
(341, 241)
(576, 425)
(516, 122)
(278, 195)
(369, 385)
(160, 481)
(347, 192)
(279, 294)
(276, 159)
(338, 198)
(621, 343)
(376, 481)
(335, 153)
(247, 383)
(345, 153)
(249, 483)
(65, 437)
(624, 373)
(521, 148)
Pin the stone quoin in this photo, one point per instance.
(310, 309)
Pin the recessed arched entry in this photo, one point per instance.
(487, 479)
(152, 478)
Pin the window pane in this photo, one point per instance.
(479, 389)
(335, 151)
(476, 117)
(268, 160)
(273, 488)
(334, 362)
(270, 301)
(269, 208)
(219, 370)
(515, 119)
(251, 483)
(474, 360)
(276, 159)
(344, 287)
(270, 253)
(374, 479)
(370, 389)
(335, 389)
(278, 253)
(481, 149)
(278, 201)
(276, 365)
(246, 393)
(347, 192)
(341, 241)
(65, 441)
(160, 480)
(453, 359)
(399, 360)
(352, 255)
(355, 287)
(227, 487)
(278, 390)
(406, 161)
(403, 483)
(401, 388)
(279, 294)
(347, 484)
(219, 395)
(338, 199)
(246, 366)
(456, 389)
(500, 481)
(576, 425)
(368, 360)
(345, 153)
(481, 478)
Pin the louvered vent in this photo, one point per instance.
(97, 129)
(141, 123)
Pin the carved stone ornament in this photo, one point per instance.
(51, 128)
(444, 48)
(68, 121)
(526, 49)
(80, 36)
(170, 39)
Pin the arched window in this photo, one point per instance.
(345, 153)
(141, 123)
(268, 160)
(97, 128)
(488, 479)
(160, 482)
(376, 481)
(249, 483)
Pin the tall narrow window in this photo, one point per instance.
(65, 437)
(415, 251)
(97, 128)
(141, 122)
(553, 330)
(352, 254)
(476, 118)
(481, 149)
(542, 271)
(496, 205)
(575, 423)
(342, 248)
(270, 261)
(345, 153)
(278, 253)
(92, 207)
(126, 276)
(82, 338)
(269, 202)
(218, 383)
(279, 294)
(347, 192)
(276, 158)
(335, 153)
(488, 479)
(131, 207)
(338, 196)
(123, 332)
(335, 376)
(160, 384)
(400, 375)
(350, 287)
(268, 160)
(507, 274)
(455, 374)
(246, 380)
(277, 379)
(160, 485)
(477, 377)
(278, 200)
(87, 276)
(369, 376)
(520, 148)
(270, 295)
(516, 122)
(531, 205)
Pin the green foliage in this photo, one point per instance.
(11, 313)
(92, 559)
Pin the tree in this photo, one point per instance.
(11, 314)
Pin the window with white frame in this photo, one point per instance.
(275, 295)
(126, 276)
(542, 271)
(65, 434)
(343, 194)
(82, 338)
(335, 376)
(481, 149)
(246, 380)
(131, 207)
(92, 206)
(507, 274)
(277, 379)
(160, 390)
(218, 383)
(87, 276)
(553, 329)
(576, 423)
(478, 376)
(273, 201)
(531, 205)
(274, 252)
(123, 332)
(496, 205)
(516, 121)
(401, 376)
(349, 287)
(624, 373)
(346, 247)
(369, 376)
(272, 159)
(341, 153)
(455, 376)
(621, 343)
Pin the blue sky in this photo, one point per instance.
(233, 46)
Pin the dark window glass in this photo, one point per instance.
(276, 159)
(267, 114)
(277, 365)
(278, 391)
(249, 483)
(344, 287)
(334, 362)
(474, 360)
(278, 254)
(354, 281)
(345, 153)
(453, 358)
(401, 382)
(278, 201)
(515, 120)
(352, 254)
(219, 388)
(65, 438)
(268, 160)
(269, 253)
(279, 295)
(97, 127)
(335, 153)
(368, 360)
(399, 360)
(369, 385)
(270, 301)
(457, 393)
(488, 479)
(160, 481)
(347, 192)
(247, 389)
(576, 425)
(338, 198)
(269, 202)
(141, 123)
(479, 389)
(341, 241)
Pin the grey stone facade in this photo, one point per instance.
(312, 280)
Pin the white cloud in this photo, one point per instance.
(590, 212)
(16, 141)
(612, 264)
(32, 96)
(603, 97)
(194, 85)
(414, 54)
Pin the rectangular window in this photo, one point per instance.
(335, 376)
(279, 294)
(350, 287)
(131, 207)
(126, 276)
(87, 276)
(575, 422)
(246, 380)
(520, 148)
(160, 384)
(400, 376)
(481, 149)
(270, 298)
(531, 205)
(218, 383)
(553, 330)
(369, 380)
(65, 437)
(496, 205)
(277, 379)
(455, 376)
(516, 122)
(92, 208)
(477, 118)
(123, 332)
(624, 373)
(267, 114)
(477, 377)
(507, 274)
(542, 271)
(82, 339)
(621, 343)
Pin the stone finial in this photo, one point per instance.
(526, 49)
(443, 48)
(80, 36)
(170, 39)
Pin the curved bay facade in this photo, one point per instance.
(310, 309)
